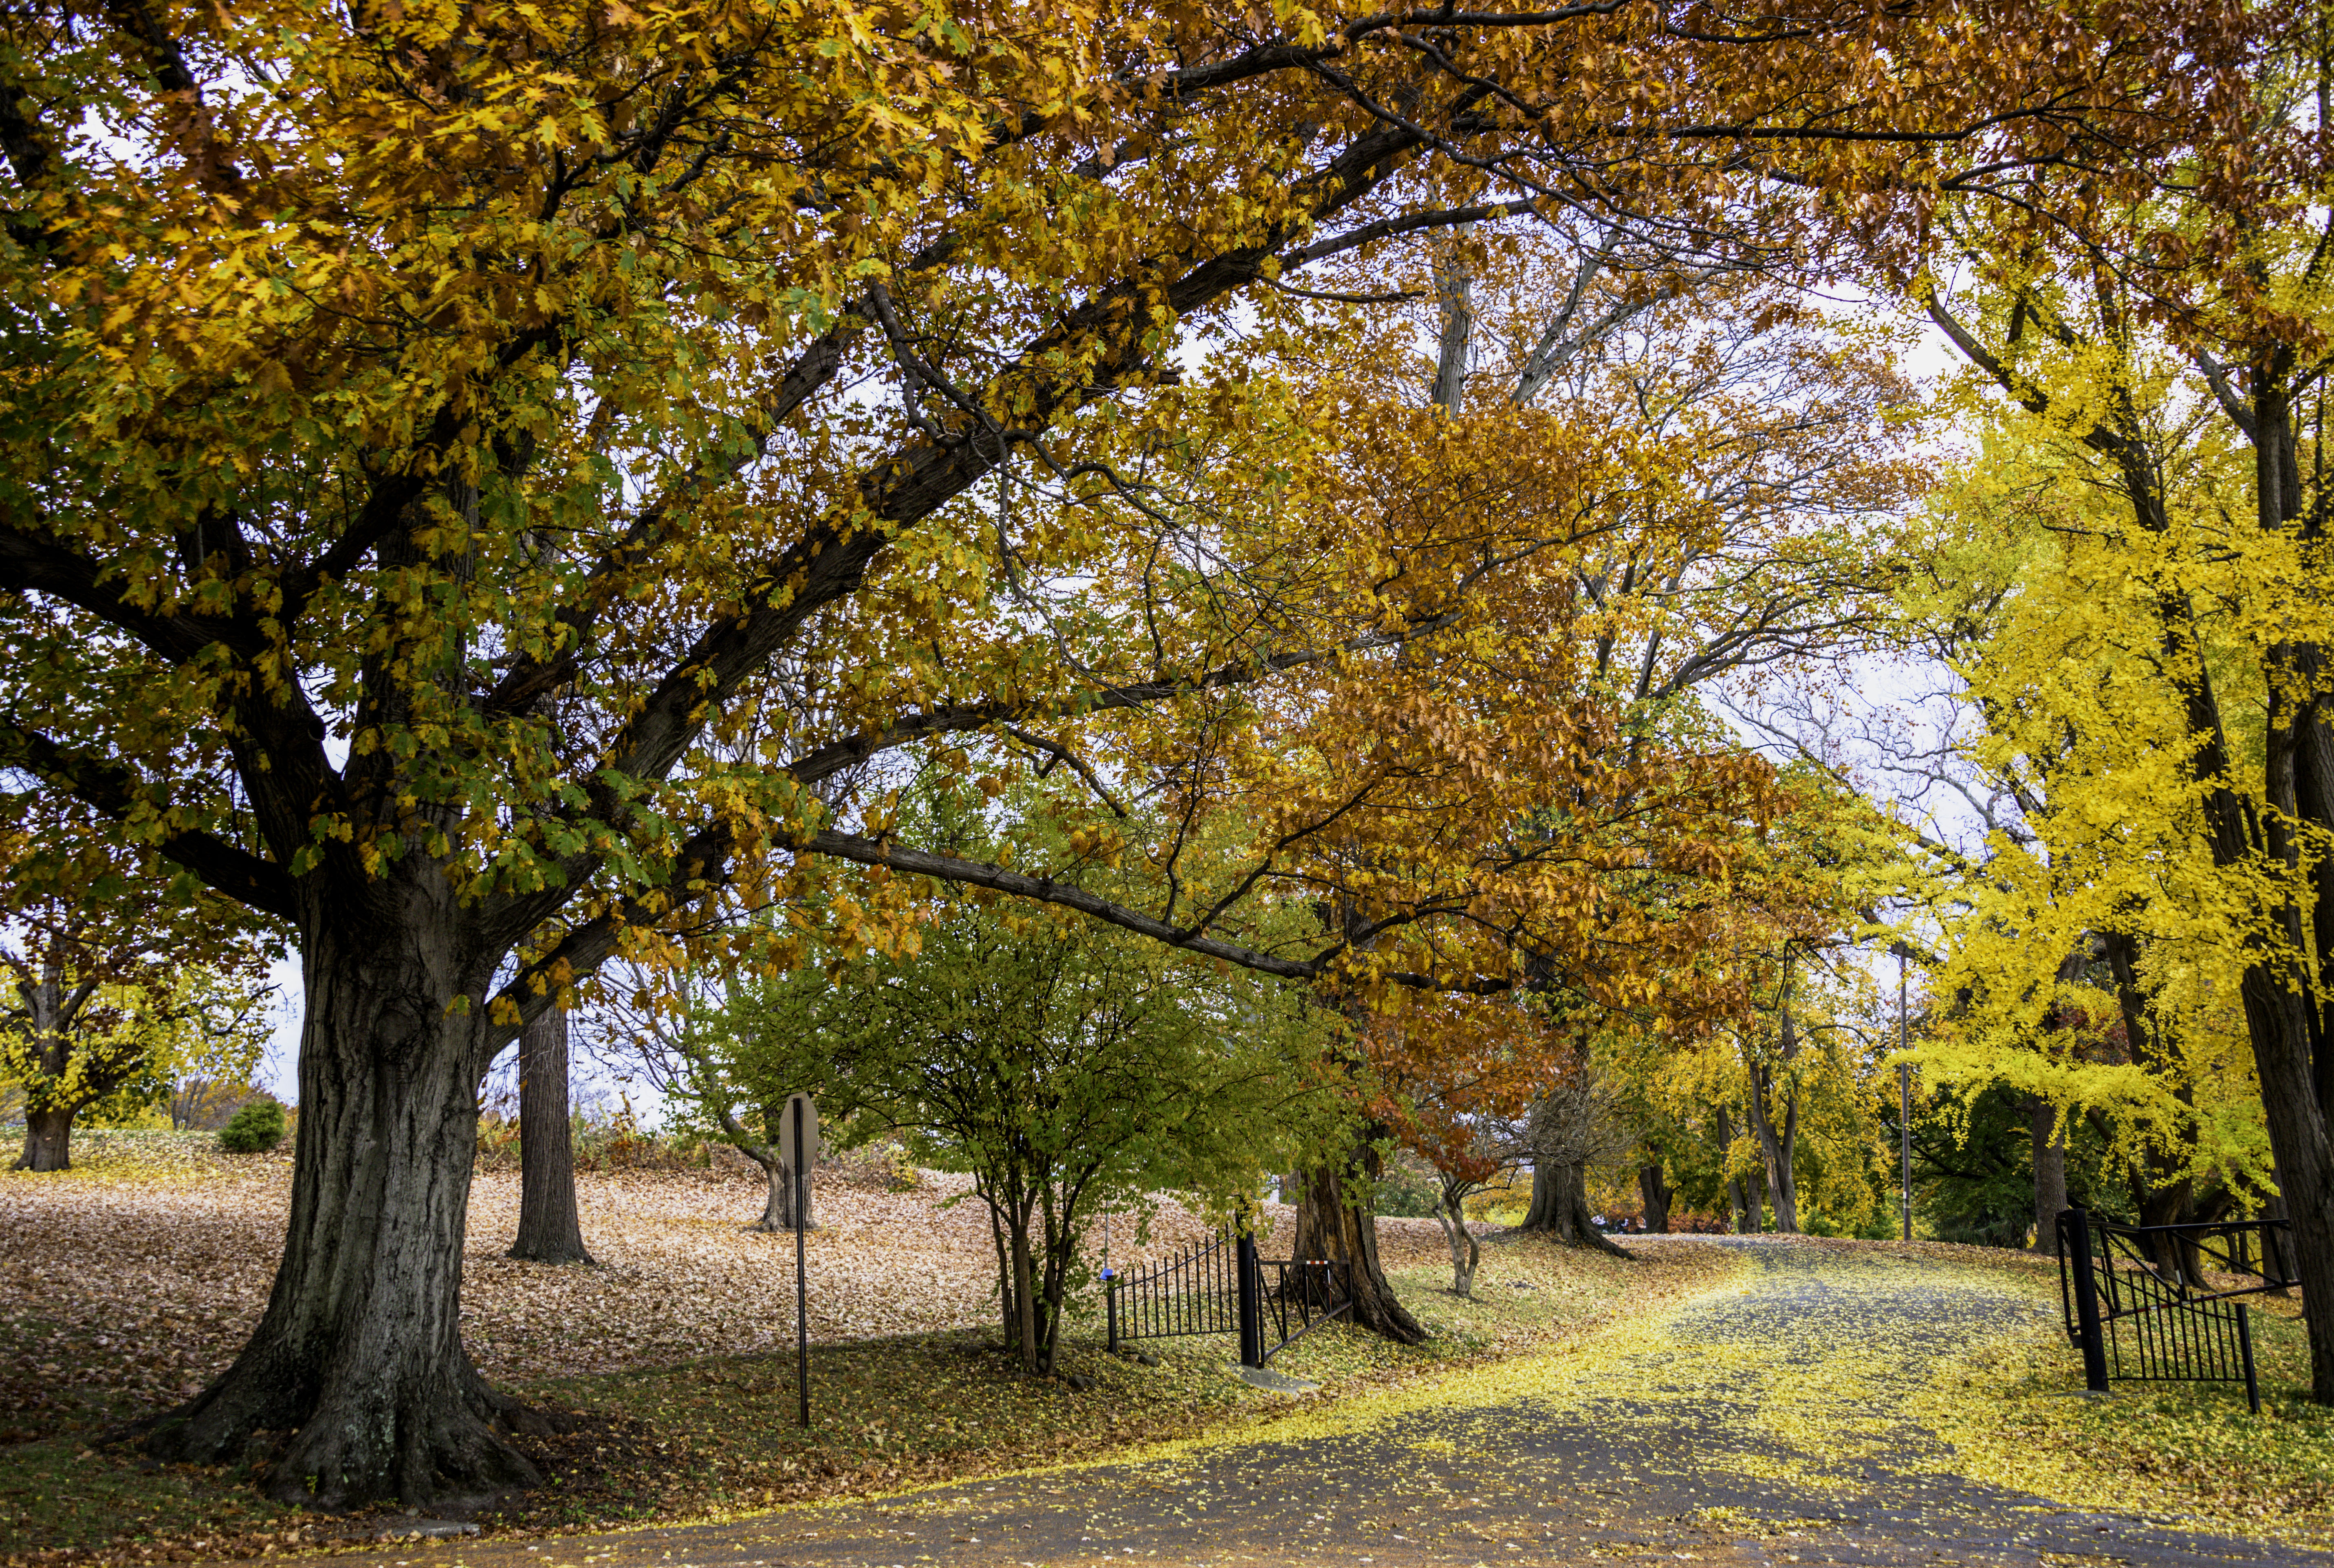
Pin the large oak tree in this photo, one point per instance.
(764, 383)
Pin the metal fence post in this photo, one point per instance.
(2075, 1231)
(1251, 1301)
(1109, 1296)
(2245, 1347)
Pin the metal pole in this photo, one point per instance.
(1251, 1301)
(2245, 1347)
(1904, 1095)
(2087, 1300)
(802, 1284)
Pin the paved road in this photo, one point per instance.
(1761, 1428)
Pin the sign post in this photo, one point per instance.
(797, 1147)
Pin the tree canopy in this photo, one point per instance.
(486, 485)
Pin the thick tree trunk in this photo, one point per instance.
(359, 1356)
(2280, 1023)
(1559, 1206)
(1656, 1194)
(778, 1207)
(778, 1214)
(48, 1140)
(548, 1230)
(2049, 1150)
(1330, 1226)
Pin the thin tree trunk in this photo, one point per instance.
(1656, 1194)
(1779, 1148)
(2049, 1145)
(1025, 1300)
(548, 1229)
(1776, 1150)
(359, 1355)
(1466, 1254)
(1744, 1217)
(1330, 1226)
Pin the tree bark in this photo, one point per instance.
(548, 1229)
(1466, 1252)
(359, 1355)
(1330, 1225)
(1656, 1194)
(779, 1213)
(1743, 1212)
(48, 1140)
(2050, 1150)
(1559, 1208)
(1778, 1149)
(50, 1008)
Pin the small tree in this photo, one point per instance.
(1062, 1065)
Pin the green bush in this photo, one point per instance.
(1408, 1188)
(255, 1129)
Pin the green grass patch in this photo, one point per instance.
(2185, 1452)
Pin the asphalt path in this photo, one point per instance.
(1760, 1423)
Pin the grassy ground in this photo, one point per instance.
(700, 1437)
(2015, 1414)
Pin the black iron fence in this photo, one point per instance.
(1219, 1286)
(2141, 1303)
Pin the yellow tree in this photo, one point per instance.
(475, 473)
(2166, 356)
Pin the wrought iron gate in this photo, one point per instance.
(2138, 1307)
(1218, 1286)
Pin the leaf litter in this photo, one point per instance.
(129, 1283)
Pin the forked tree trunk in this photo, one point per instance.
(1466, 1252)
(359, 1355)
(1741, 1211)
(2049, 1148)
(779, 1206)
(1656, 1192)
(48, 1140)
(1559, 1208)
(1329, 1226)
(548, 1230)
(1778, 1152)
(1779, 1146)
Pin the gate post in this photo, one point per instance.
(1251, 1301)
(1110, 1296)
(2245, 1347)
(2075, 1232)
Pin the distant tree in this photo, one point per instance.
(548, 1228)
(123, 975)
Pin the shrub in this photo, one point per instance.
(255, 1129)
